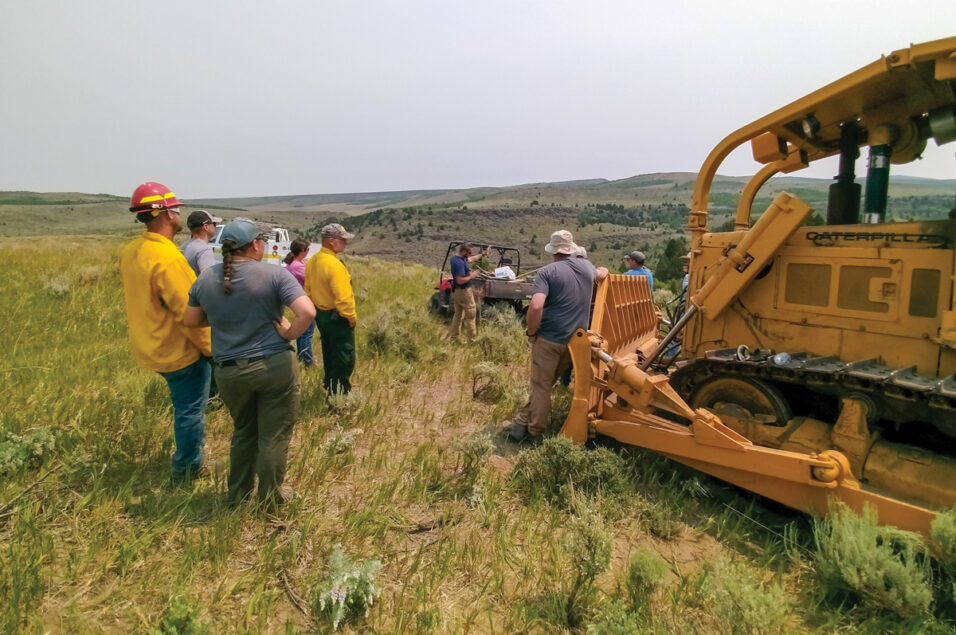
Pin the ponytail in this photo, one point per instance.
(228, 250)
(296, 247)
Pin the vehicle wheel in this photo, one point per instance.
(753, 395)
(438, 303)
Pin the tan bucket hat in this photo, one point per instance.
(562, 242)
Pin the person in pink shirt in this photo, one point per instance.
(295, 264)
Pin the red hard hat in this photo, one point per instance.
(150, 196)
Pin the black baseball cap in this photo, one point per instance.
(198, 218)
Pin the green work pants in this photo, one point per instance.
(338, 350)
(263, 398)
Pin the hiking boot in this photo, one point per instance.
(285, 495)
(279, 497)
(190, 476)
(517, 432)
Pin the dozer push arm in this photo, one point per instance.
(744, 261)
(615, 398)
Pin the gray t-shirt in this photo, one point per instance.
(198, 254)
(242, 323)
(568, 284)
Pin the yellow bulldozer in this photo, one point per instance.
(815, 362)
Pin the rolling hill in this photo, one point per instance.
(608, 217)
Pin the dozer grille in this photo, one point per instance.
(624, 314)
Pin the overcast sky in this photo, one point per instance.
(253, 98)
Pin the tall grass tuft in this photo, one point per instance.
(645, 574)
(23, 570)
(883, 568)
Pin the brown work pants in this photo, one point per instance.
(548, 361)
(466, 312)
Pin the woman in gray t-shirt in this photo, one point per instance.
(243, 300)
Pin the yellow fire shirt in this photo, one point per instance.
(329, 285)
(156, 280)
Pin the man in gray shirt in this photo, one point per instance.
(560, 304)
(197, 250)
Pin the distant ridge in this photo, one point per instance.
(36, 213)
(652, 188)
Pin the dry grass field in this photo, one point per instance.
(413, 512)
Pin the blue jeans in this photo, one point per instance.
(189, 390)
(303, 344)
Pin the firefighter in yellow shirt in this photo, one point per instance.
(156, 280)
(329, 285)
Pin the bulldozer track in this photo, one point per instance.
(901, 397)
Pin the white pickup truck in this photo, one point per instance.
(277, 246)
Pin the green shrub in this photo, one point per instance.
(180, 618)
(645, 574)
(660, 520)
(943, 537)
(358, 408)
(348, 589)
(558, 468)
(662, 296)
(614, 619)
(341, 442)
(489, 382)
(390, 337)
(501, 314)
(59, 287)
(28, 450)
(742, 602)
(883, 568)
(943, 543)
(473, 452)
(501, 337)
(475, 449)
(588, 543)
(571, 596)
(492, 384)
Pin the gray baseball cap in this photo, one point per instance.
(636, 256)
